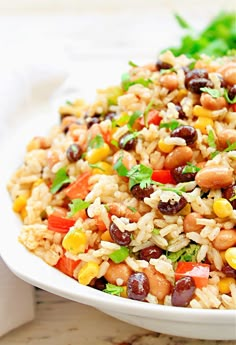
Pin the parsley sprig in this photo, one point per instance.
(77, 205)
(140, 174)
(96, 142)
(60, 179)
(113, 289)
(190, 168)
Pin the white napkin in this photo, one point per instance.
(17, 88)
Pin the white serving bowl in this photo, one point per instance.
(186, 322)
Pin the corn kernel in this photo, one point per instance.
(103, 168)
(202, 123)
(165, 147)
(181, 94)
(202, 112)
(222, 208)
(75, 241)
(88, 272)
(185, 211)
(124, 292)
(230, 257)
(37, 183)
(23, 213)
(19, 203)
(224, 284)
(106, 236)
(98, 154)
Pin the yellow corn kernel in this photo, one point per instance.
(88, 272)
(98, 154)
(19, 203)
(106, 236)
(163, 147)
(23, 213)
(224, 284)
(75, 241)
(124, 292)
(222, 254)
(202, 123)
(185, 211)
(37, 183)
(222, 208)
(103, 168)
(112, 93)
(202, 112)
(181, 94)
(230, 257)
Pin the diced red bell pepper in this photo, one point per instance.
(80, 188)
(152, 118)
(67, 265)
(60, 224)
(163, 176)
(234, 107)
(198, 271)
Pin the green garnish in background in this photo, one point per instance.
(218, 38)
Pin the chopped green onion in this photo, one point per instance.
(119, 255)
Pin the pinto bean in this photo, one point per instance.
(229, 73)
(214, 177)
(208, 102)
(190, 223)
(159, 285)
(120, 210)
(227, 136)
(179, 156)
(225, 239)
(169, 81)
(118, 271)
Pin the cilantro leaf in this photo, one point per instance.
(211, 139)
(120, 168)
(133, 118)
(77, 205)
(170, 125)
(60, 179)
(113, 289)
(214, 154)
(133, 209)
(231, 147)
(115, 143)
(140, 174)
(182, 22)
(156, 231)
(96, 142)
(96, 166)
(129, 137)
(146, 111)
(168, 70)
(178, 190)
(119, 255)
(126, 82)
(188, 254)
(226, 96)
(190, 168)
(212, 92)
(132, 64)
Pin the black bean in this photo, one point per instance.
(62, 116)
(171, 207)
(152, 252)
(74, 153)
(126, 144)
(188, 133)
(100, 284)
(183, 292)
(232, 92)
(138, 286)
(91, 120)
(110, 116)
(181, 113)
(222, 81)
(195, 85)
(141, 193)
(179, 176)
(195, 74)
(229, 193)
(119, 237)
(229, 271)
(162, 65)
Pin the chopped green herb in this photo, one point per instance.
(69, 103)
(115, 143)
(119, 255)
(133, 118)
(126, 82)
(113, 289)
(129, 137)
(146, 111)
(170, 125)
(121, 121)
(166, 71)
(96, 142)
(182, 22)
(96, 166)
(133, 209)
(226, 96)
(188, 254)
(140, 174)
(132, 64)
(77, 205)
(233, 198)
(120, 168)
(60, 179)
(214, 154)
(178, 191)
(190, 168)
(230, 147)
(156, 231)
(211, 139)
(212, 92)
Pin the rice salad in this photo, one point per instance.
(135, 194)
